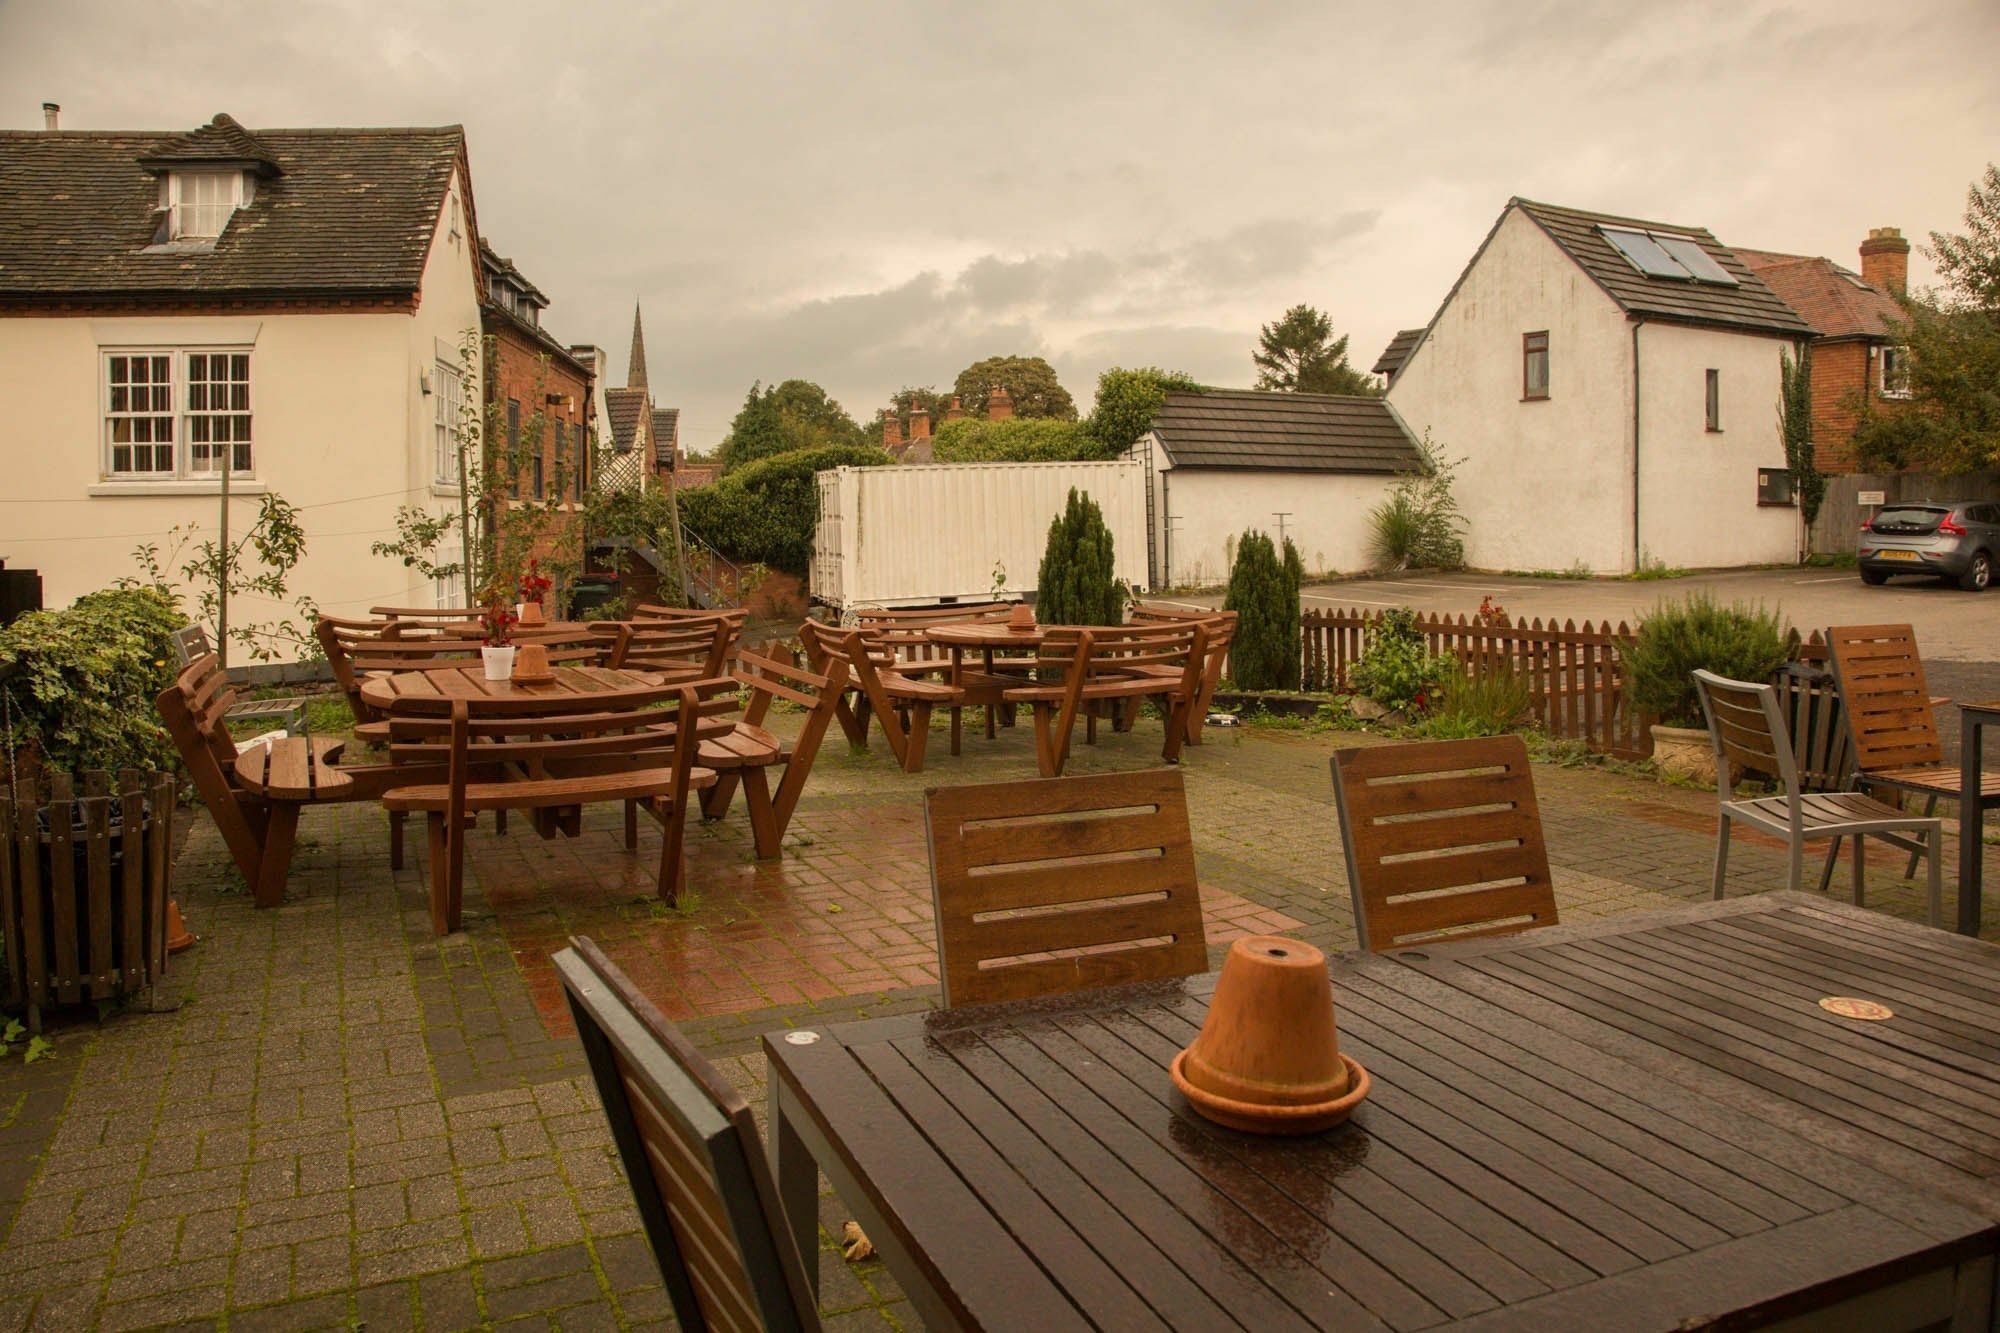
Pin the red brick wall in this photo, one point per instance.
(1841, 372)
(519, 372)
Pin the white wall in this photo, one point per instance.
(1544, 483)
(1328, 518)
(336, 410)
(1698, 493)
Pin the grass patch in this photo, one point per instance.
(1652, 568)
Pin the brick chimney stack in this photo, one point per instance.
(892, 431)
(955, 412)
(1885, 260)
(51, 117)
(920, 422)
(999, 406)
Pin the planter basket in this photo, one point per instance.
(84, 882)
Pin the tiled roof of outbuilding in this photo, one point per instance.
(350, 213)
(1834, 299)
(1295, 432)
(1397, 352)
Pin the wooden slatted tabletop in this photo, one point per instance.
(294, 768)
(1692, 1153)
(433, 691)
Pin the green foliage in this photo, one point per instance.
(1418, 526)
(1396, 670)
(766, 511)
(783, 419)
(1477, 703)
(1075, 584)
(1264, 594)
(257, 562)
(1652, 569)
(13, 1035)
(1299, 354)
(1021, 440)
(1739, 641)
(926, 397)
(80, 682)
(1952, 342)
(1126, 402)
(1030, 381)
(1795, 429)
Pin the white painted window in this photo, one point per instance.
(202, 202)
(448, 590)
(447, 402)
(1895, 372)
(172, 414)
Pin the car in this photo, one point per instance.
(1956, 541)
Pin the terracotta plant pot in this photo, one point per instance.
(530, 613)
(1022, 617)
(531, 662)
(1268, 1059)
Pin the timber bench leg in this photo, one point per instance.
(396, 818)
(764, 830)
(279, 836)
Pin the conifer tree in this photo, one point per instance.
(1076, 585)
(1264, 594)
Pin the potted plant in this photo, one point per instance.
(534, 587)
(1738, 641)
(497, 654)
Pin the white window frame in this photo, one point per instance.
(197, 200)
(177, 413)
(448, 591)
(1882, 383)
(447, 405)
(209, 412)
(110, 415)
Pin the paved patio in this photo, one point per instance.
(345, 1121)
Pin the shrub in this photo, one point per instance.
(80, 682)
(1127, 401)
(765, 511)
(1076, 585)
(1739, 641)
(1477, 703)
(1396, 670)
(1418, 526)
(1264, 594)
(1016, 440)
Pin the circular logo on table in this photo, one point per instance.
(1846, 1006)
(801, 1037)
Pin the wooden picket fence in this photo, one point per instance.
(1575, 673)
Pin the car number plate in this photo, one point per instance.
(1896, 555)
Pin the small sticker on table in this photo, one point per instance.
(802, 1037)
(1846, 1006)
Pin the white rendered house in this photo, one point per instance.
(1612, 386)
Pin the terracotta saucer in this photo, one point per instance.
(1258, 1119)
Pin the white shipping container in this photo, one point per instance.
(920, 534)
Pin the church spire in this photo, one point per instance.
(635, 373)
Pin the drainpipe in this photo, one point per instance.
(1166, 531)
(1638, 551)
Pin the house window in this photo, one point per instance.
(1895, 372)
(1535, 365)
(202, 202)
(156, 400)
(447, 402)
(539, 482)
(1714, 400)
(448, 590)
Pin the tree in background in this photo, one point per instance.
(1126, 402)
(793, 415)
(1952, 340)
(1299, 354)
(1264, 594)
(1076, 585)
(1038, 440)
(766, 511)
(1030, 381)
(1795, 429)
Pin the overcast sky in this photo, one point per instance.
(874, 195)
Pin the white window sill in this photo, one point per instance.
(237, 486)
(444, 488)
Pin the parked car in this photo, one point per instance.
(1950, 541)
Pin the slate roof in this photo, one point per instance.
(1397, 352)
(666, 434)
(625, 407)
(1290, 432)
(348, 213)
(1748, 305)
(1834, 299)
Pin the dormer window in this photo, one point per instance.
(200, 203)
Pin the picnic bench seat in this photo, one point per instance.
(191, 643)
(1115, 664)
(901, 702)
(748, 751)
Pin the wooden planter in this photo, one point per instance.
(84, 882)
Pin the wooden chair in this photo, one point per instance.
(1221, 633)
(1118, 664)
(748, 753)
(1045, 887)
(1749, 734)
(902, 703)
(686, 648)
(573, 750)
(692, 1155)
(191, 645)
(1892, 726)
(1443, 840)
(901, 640)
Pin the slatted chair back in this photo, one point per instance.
(1443, 839)
(600, 731)
(429, 614)
(692, 1156)
(1057, 885)
(1887, 700)
(827, 647)
(338, 637)
(903, 633)
(191, 644)
(1748, 729)
(192, 709)
(768, 679)
(684, 648)
(1822, 750)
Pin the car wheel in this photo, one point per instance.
(1874, 578)
(1977, 574)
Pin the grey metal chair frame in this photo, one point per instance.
(1748, 731)
(191, 645)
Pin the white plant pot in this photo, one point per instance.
(499, 662)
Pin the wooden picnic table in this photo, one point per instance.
(1648, 1123)
(433, 691)
(984, 636)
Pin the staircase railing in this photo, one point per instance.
(710, 580)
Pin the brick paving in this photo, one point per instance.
(346, 1122)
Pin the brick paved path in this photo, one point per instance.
(345, 1120)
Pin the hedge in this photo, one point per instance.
(81, 682)
(765, 511)
(1019, 440)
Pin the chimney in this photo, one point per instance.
(1885, 260)
(920, 422)
(51, 117)
(892, 431)
(999, 407)
(954, 412)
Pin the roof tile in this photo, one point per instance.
(1293, 432)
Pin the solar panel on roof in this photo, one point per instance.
(1644, 253)
(1695, 259)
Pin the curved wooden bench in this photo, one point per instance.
(746, 753)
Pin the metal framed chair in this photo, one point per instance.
(692, 1156)
(1443, 841)
(1748, 729)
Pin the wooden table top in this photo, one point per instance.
(1615, 1127)
(294, 768)
(983, 634)
(433, 691)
